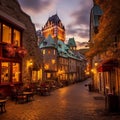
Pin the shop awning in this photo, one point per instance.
(107, 65)
(105, 68)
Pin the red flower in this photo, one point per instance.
(10, 50)
(21, 51)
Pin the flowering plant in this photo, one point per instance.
(21, 51)
(10, 50)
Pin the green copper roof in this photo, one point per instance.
(48, 42)
(55, 20)
(62, 48)
(71, 42)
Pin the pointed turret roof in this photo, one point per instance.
(54, 19)
(71, 42)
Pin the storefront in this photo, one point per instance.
(11, 53)
(108, 71)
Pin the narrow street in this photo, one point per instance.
(74, 102)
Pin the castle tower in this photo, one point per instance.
(54, 27)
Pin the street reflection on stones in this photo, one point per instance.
(73, 102)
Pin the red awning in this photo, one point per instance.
(105, 68)
(107, 65)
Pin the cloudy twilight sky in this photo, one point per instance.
(74, 15)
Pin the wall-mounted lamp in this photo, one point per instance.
(46, 66)
(29, 63)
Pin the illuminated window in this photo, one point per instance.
(54, 52)
(0, 31)
(5, 72)
(34, 75)
(16, 38)
(43, 52)
(6, 36)
(46, 66)
(48, 75)
(15, 72)
(53, 61)
(48, 51)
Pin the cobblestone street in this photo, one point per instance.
(74, 102)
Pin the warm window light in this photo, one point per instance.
(53, 61)
(60, 72)
(43, 52)
(46, 66)
(92, 70)
(87, 72)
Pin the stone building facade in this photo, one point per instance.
(104, 53)
(54, 27)
(105, 62)
(61, 62)
(20, 44)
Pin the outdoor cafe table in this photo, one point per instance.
(2, 105)
(29, 95)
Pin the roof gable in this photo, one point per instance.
(71, 42)
(48, 42)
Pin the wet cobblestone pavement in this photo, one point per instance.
(74, 102)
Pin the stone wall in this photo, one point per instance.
(29, 40)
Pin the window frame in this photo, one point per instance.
(12, 33)
(10, 79)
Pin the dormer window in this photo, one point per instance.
(44, 43)
(43, 52)
(60, 45)
(16, 37)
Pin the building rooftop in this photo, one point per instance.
(71, 42)
(62, 48)
(48, 42)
